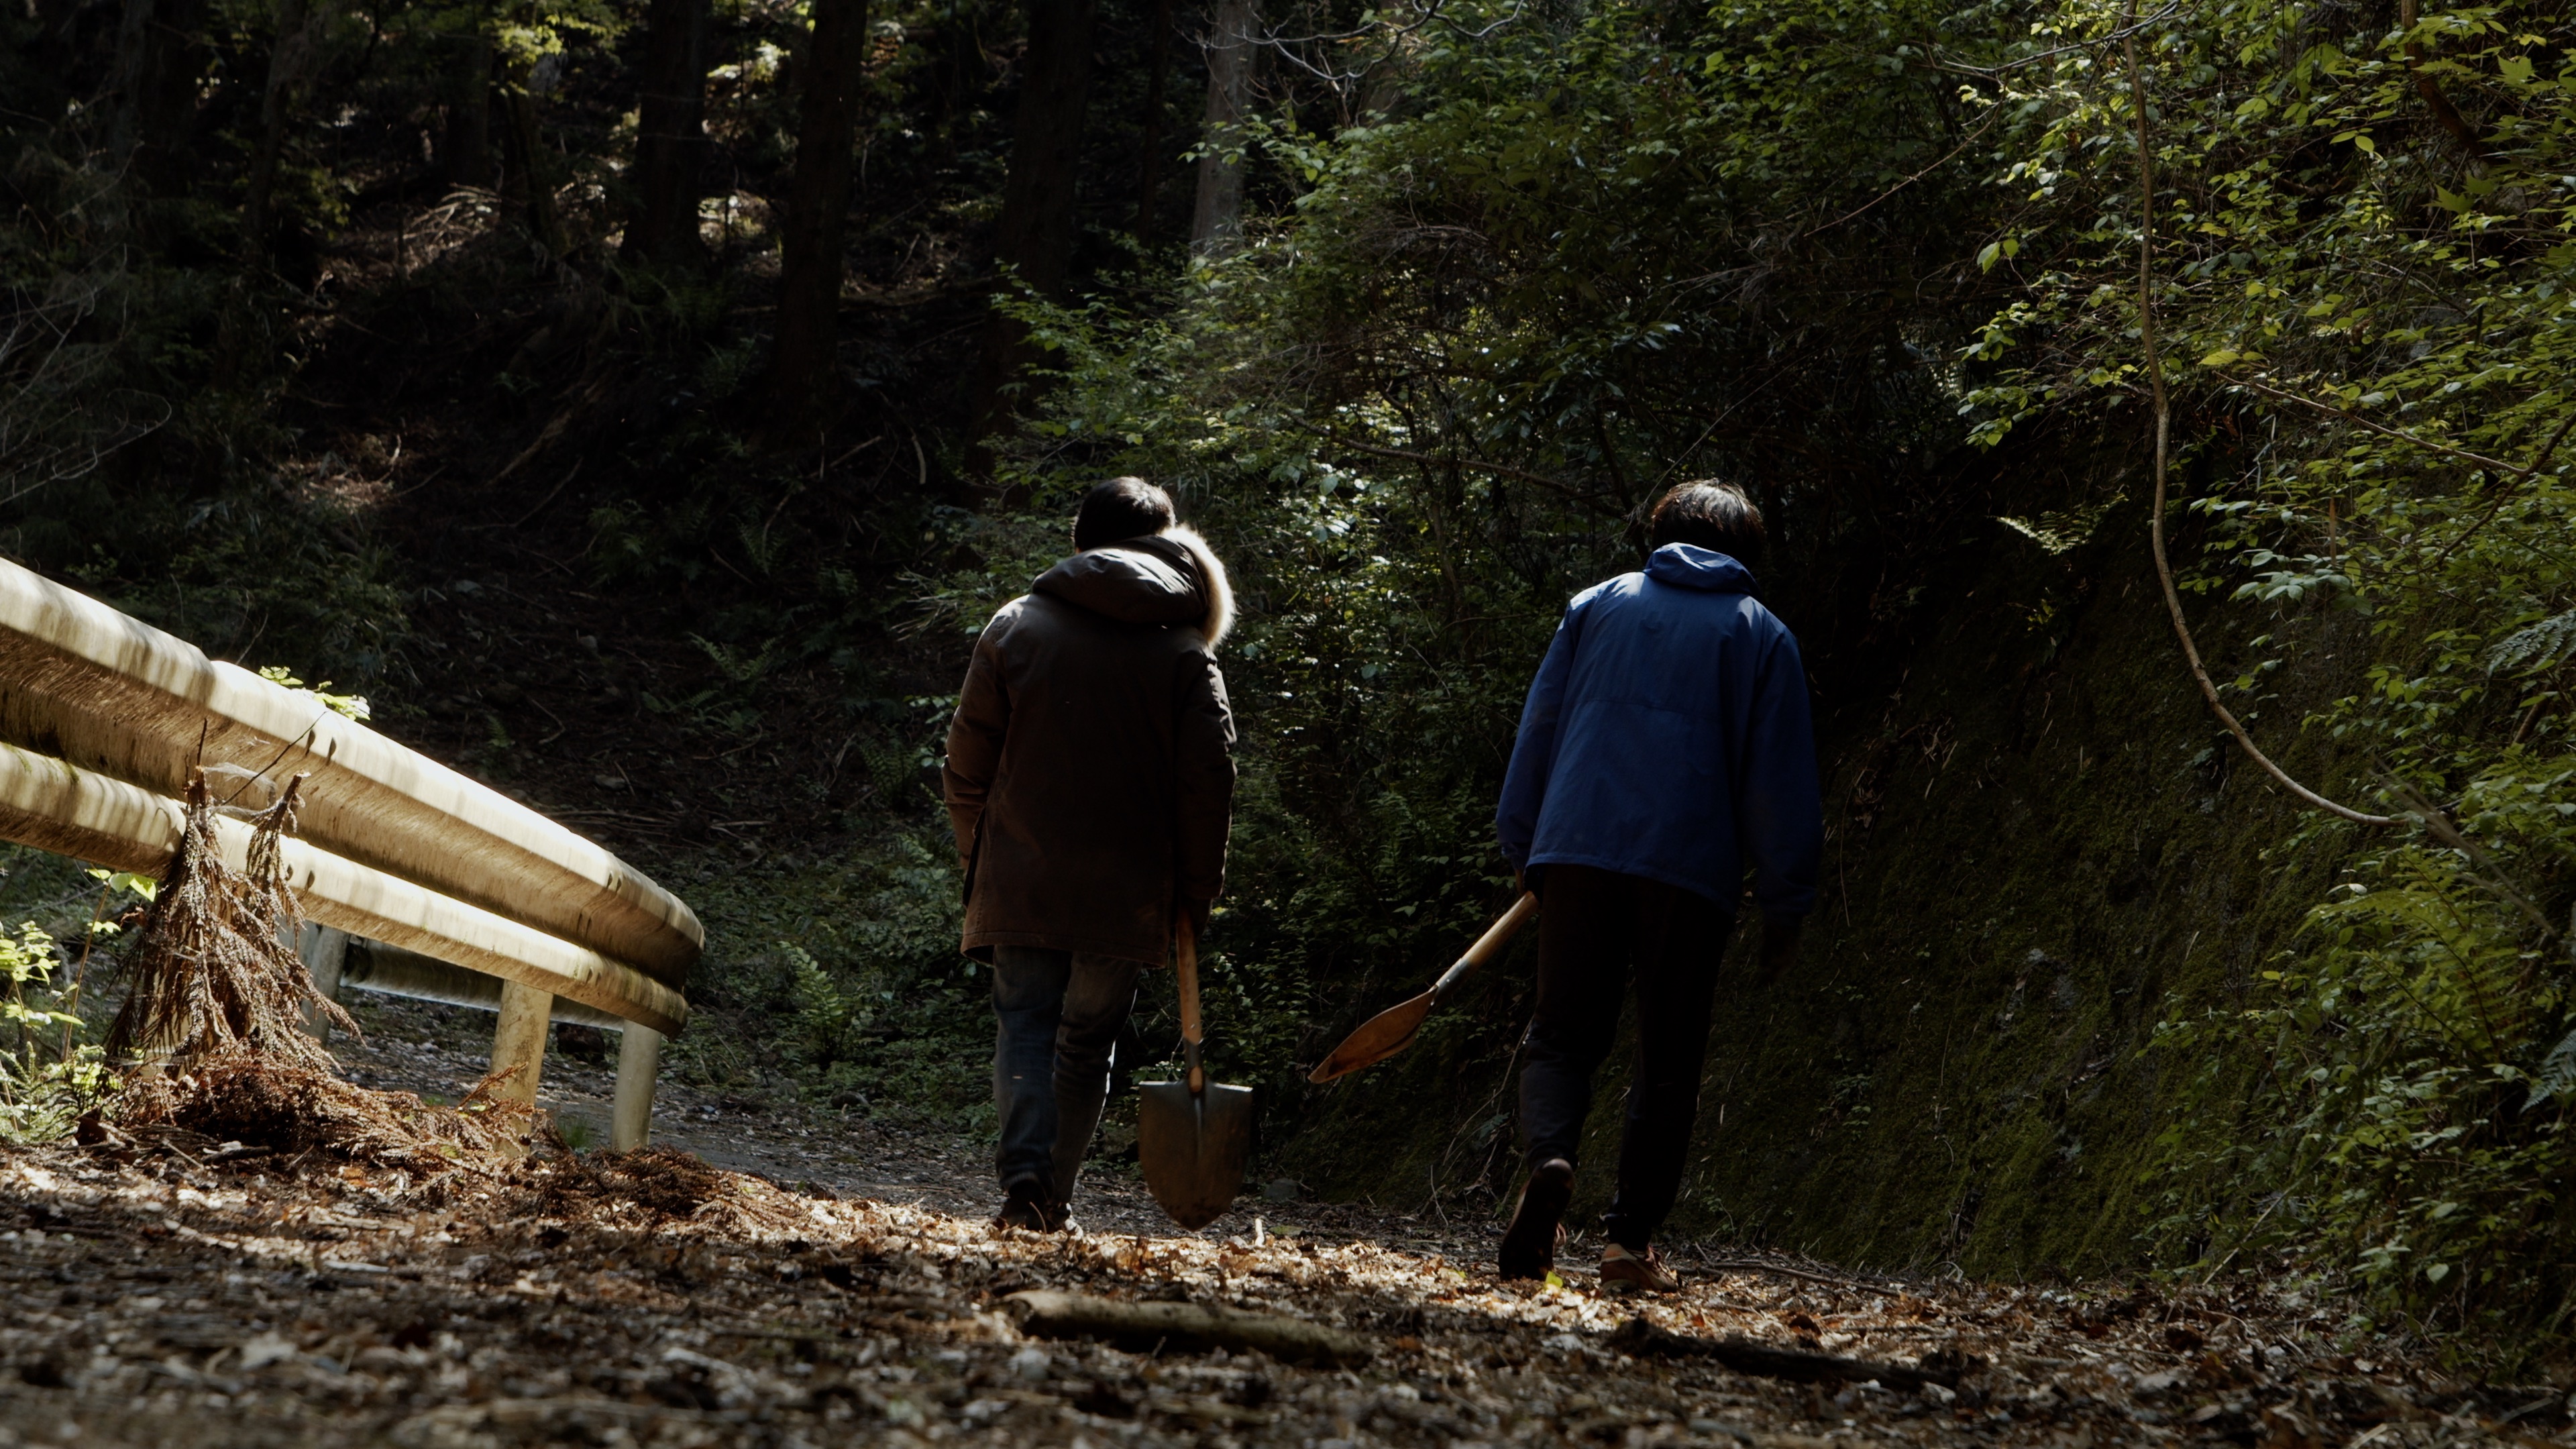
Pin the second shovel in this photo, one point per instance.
(1192, 1135)
(1392, 1030)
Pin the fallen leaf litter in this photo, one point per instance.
(187, 1291)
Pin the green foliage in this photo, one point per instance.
(831, 1018)
(1436, 399)
(1827, 248)
(351, 706)
(140, 453)
(2369, 328)
(1602, 253)
(2541, 646)
(864, 1000)
(50, 1073)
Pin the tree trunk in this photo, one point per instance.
(804, 367)
(158, 59)
(287, 61)
(1149, 166)
(670, 143)
(536, 172)
(55, 56)
(955, 75)
(1034, 239)
(468, 152)
(1217, 220)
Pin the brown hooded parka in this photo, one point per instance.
(1090, 776)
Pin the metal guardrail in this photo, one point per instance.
(392, 971)
(98, 689)
(54, 806)
(103, 716)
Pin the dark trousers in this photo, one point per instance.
(1058, 1014)
(1597, 930)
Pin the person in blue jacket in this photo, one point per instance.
(1666, 747)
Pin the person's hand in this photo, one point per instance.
(1779, 947)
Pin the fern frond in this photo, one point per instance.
(2537, 647)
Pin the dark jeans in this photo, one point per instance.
(1059, 1013)
(1596, 930)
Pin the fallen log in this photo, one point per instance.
(1641, 1339)
(1186, 1326)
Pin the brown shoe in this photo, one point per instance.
(1626, 1272)
(1537, 1230)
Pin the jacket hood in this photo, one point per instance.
(1170, 578)
(1688, 566)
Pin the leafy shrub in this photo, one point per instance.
(2360, 263)
(51, 1072)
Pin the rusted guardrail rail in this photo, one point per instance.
(102, 717)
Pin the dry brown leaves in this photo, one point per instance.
(652, 1187)
(652, 1300)
(253, 1099)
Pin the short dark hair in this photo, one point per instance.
(1118, 510)
(1711, 515)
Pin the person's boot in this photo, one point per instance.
(1538, 1228)
(1026, 1205)
(1076, 1122)
(1626, 1272)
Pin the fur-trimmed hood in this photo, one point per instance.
(1170, 578)
(1219, 619)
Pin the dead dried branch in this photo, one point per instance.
(1184, 1326)
(1641, 1339)
(212, 973)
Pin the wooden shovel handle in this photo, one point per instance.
(1488, 943)
(1185, 963)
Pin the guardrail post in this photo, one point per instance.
(323, 950)
(520, 1040)
(639, 1063)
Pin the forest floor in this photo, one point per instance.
(193, 1292)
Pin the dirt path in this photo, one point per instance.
(193, 1294)
(441, 1052)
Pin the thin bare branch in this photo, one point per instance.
(1993, 113)
(2400, 434)
(2164, 431)
(2122, 35)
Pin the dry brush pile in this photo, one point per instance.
(212, 1036)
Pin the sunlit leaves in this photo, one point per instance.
(2372, 313)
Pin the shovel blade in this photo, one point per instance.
(1379, 1037)
(1192, 1147)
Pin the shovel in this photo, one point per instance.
(1392, 1030)
(1192, 1135)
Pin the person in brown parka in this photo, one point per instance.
(1090, 780)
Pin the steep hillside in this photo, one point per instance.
(2039, 846)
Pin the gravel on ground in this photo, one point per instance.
(188, 1292)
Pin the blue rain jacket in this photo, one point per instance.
(1667, 736)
